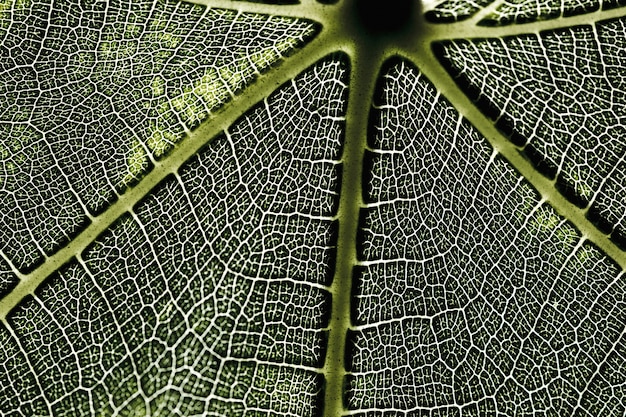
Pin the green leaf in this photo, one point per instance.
(295, 209)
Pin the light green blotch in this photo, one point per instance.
(132, 30)
(137, 162)
(216, 85)
(189, 106)
(167, 312)
(5, 17)
(193, 104)
(160, 141)
(566, 235)
(581, 187)
(6, 5)
(584, 190)
(82, 62)
(281, 393)
(19, 137)
(161, 406)
(160, 38)
(584, 254)
(117, 50)
(136, 408)
(6, 8)
(212, 90)
(545, 219)
(158, 22)
(157, 86)
(169, 40)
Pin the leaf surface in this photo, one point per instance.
(474, 297)
(285, 208)
(561, 95)
(207, 298)
(92, 96)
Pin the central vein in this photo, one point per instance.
(364, 67)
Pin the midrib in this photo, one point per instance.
(365, 63)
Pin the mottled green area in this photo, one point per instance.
(455, 10)
(100, 90)
(206, 299)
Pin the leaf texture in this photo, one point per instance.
(92, 94)
(455, 10)
(209, 298)
(509, 12)
(474, 297)
(561, 95)
(7, 278)
(525, 11)
(293, 257)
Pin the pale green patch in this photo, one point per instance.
(584, 254)
(193, 104)
(548, 220)
(189, 107)
(137, 162)
(169, 40)
(160, 406)
(19, 137)
(166, 314)
(280, 392)
(584, 190)
(160, 141)
(15, 5)
(567, 235)
(4, 152)
(216, 85)
(581, 187)
(132, 31)
(544, 220)
(116, 50)
(85, 59)
(211, 90)
(162, 39)
(136, 408)
(10, 168)
(158, 86)
(158, 22)
(234, 76)
(265, 58)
